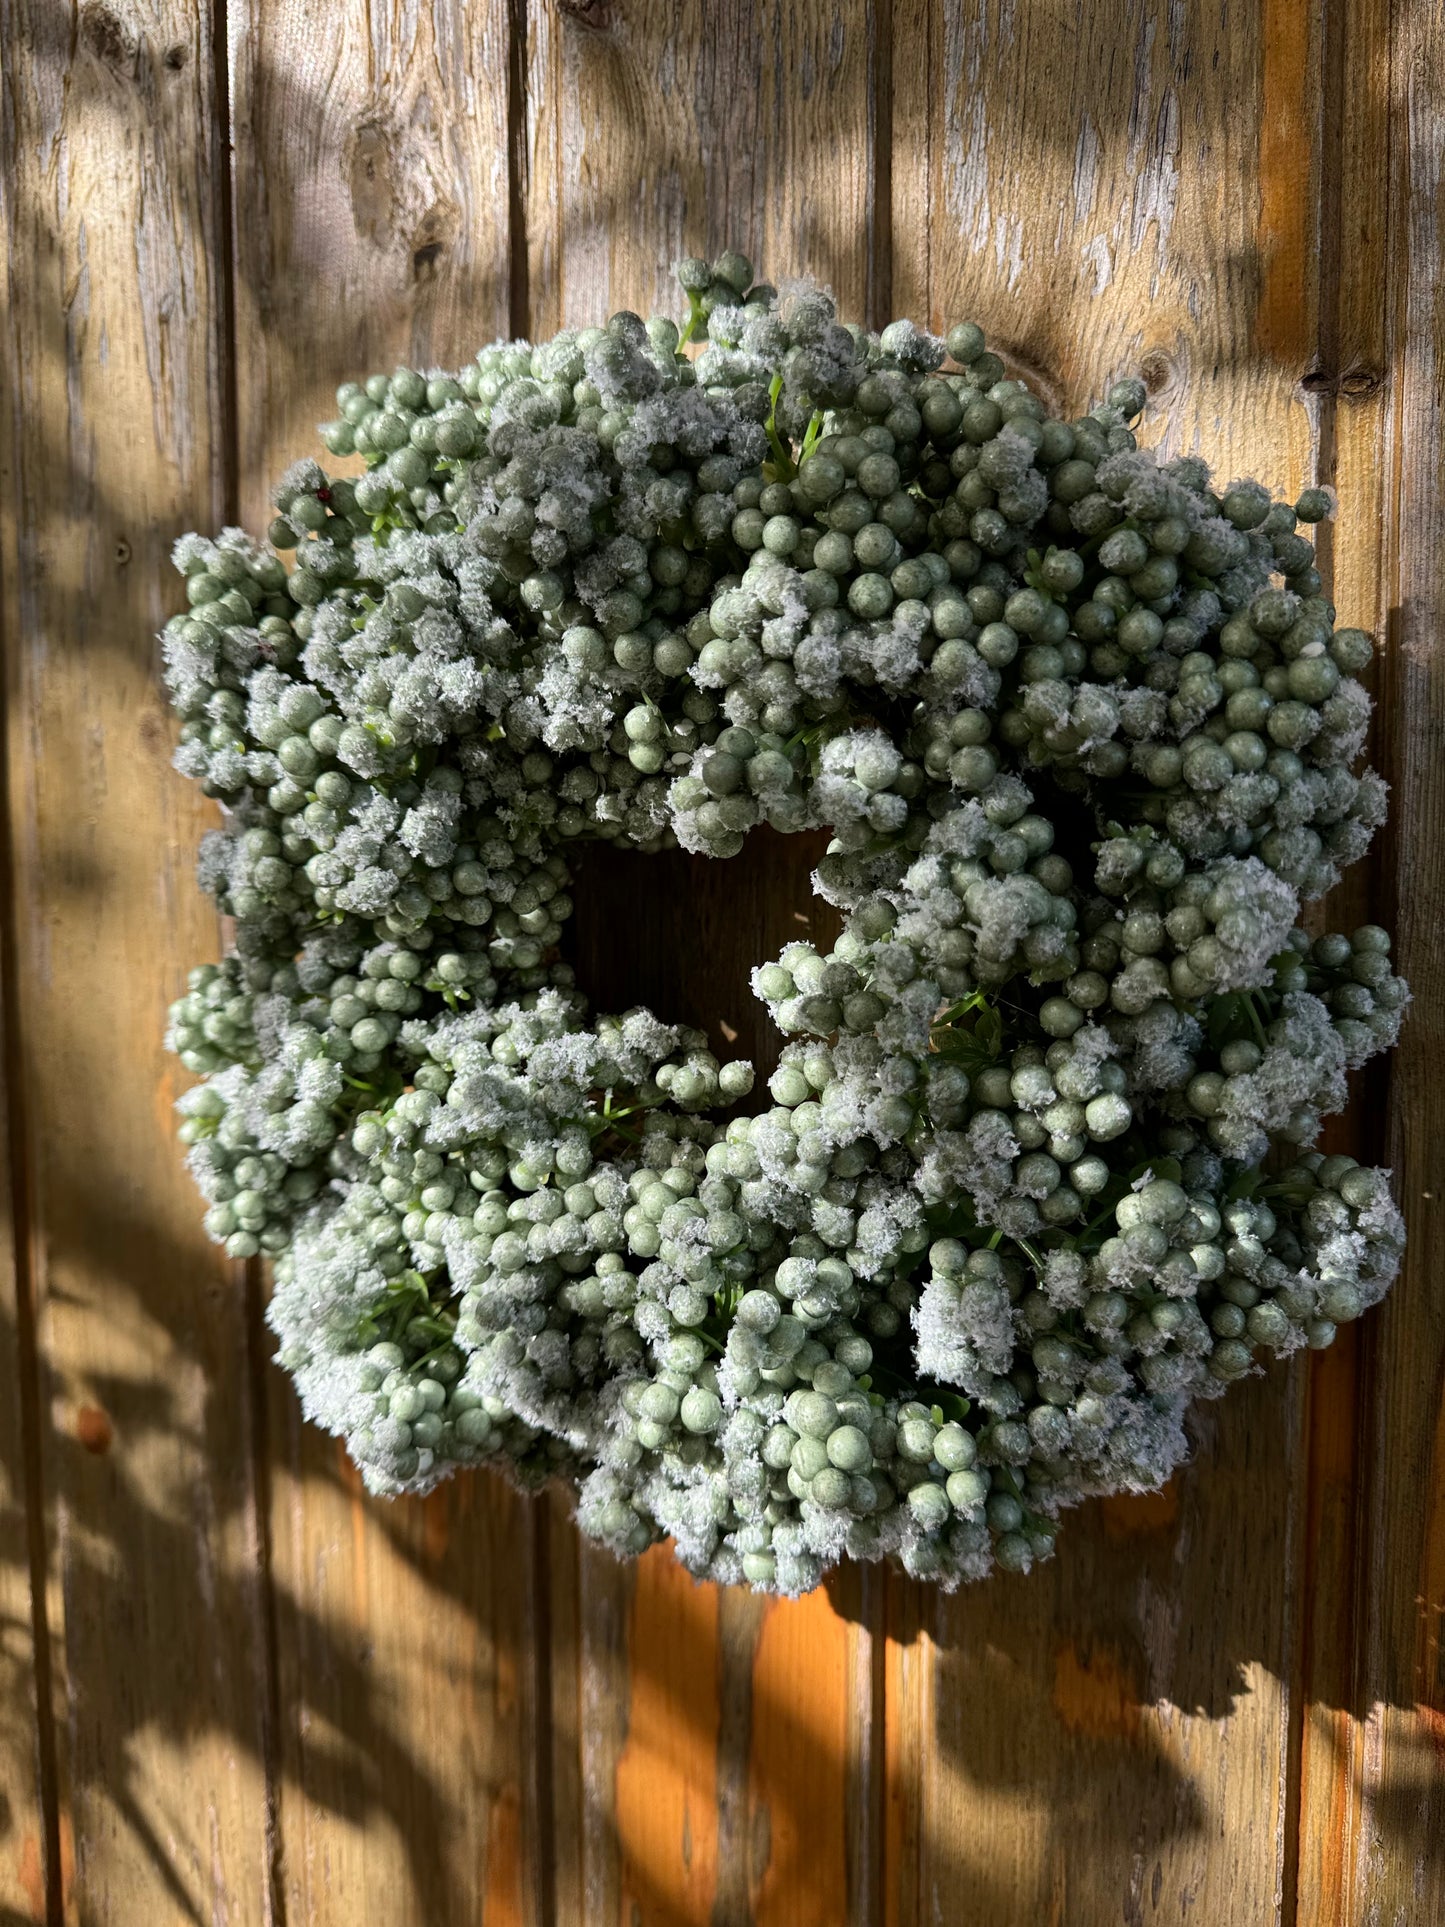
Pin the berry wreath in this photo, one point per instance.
(1036, 1172)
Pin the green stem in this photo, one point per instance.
(782, 459)
(437, 1351)
(1033, 1256)
(693, 318)
(1254, 1019)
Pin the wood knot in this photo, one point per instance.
(1355, 383)
(372, 191)
(94, 1429)
(104, 34)
(434, 234)
(1156, 371)
(175, 57)
(122, 551)
(596, 14)
(1358, 382)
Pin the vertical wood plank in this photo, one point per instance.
(1107, 1736)
(410, 1718)
(654, 131)
(908, 1649)
(28, 1838)
(590, 1712)
(1397, 1873)
(371, 227)
(1135, 188)
(795, 1846)
(665, 1784)
(1116, 1735)
(1348, 390)
(115, 293)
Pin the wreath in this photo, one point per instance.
(1035, 1173)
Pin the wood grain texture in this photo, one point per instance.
(1350, 394)
(371, 229)
(27, 1759)
(1397, 1873)
(1107, 1738)
(115, 293)
(266, 1698)
(656, 129)
(653, 131)
(410, 1723)
(1112, 1736)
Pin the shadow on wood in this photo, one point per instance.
(1101, 1649)
(1029, 171)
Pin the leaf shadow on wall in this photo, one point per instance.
(1133, 195)
(1099, 1665)
(164, 1649)
(671, 131)
(1082, 1679)
(105, 83)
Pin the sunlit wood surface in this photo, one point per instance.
(232, 1688)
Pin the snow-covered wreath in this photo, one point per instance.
(1082, 730)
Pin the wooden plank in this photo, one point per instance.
(1346, 388)
(115, 298)
(651, 132)
(1147, 1726)
(1113, 1735)
(371, 227)
(589, 1613)
(410, 1716)
(1107, 1736)
(1396, 1871)
(654, 130)
(28, 1830)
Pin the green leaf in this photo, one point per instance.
(1228, 1020)
(963, 1048)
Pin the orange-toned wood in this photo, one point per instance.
(665, 1781)
(152, 1737)
(371, 228)
(1396, 1873)
(25, 1779)
(652, 132)
(796, 1839)
(264, 1697)
(1350, 400)
(1113, 1736)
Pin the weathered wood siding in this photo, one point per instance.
(234, 1689)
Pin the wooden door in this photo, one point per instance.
(235, 1689)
